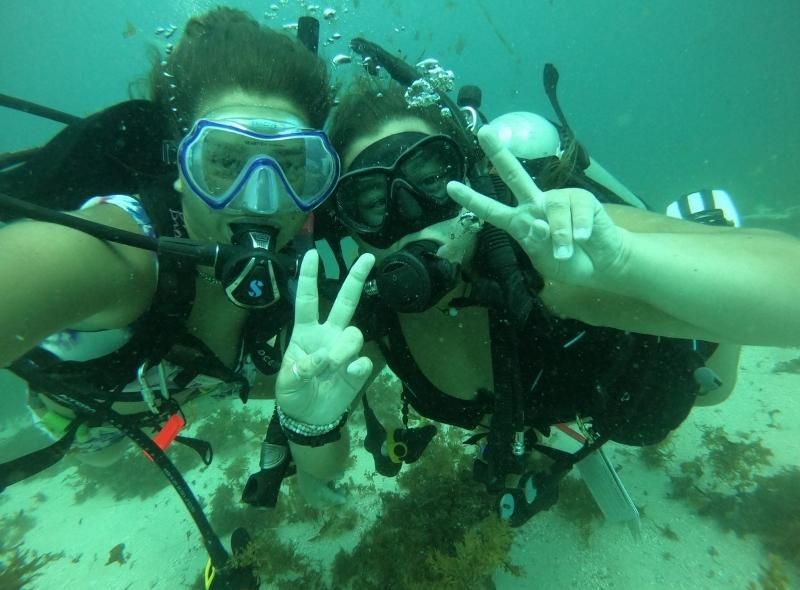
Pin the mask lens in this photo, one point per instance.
(218, 159)
(363, 200)
(426, 169)
(289, 153)
(430, 166)
(221, 160)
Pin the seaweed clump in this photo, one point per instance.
(768, 511)
(735, 462)
(228, 512)
(442, 533)
(276, 560)
(790, 366)
(576, 503)
(773, 576)
(657, 456)
(741, 500)
(279, 562)
(18, 568)
(16, 526)
(228, 429)
(132, 476)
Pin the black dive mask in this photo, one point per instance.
(398, 186)
(414, 278)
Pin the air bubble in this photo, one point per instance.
(421, 94)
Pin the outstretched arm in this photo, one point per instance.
(53, 277)
(721, 284)
(741, 284)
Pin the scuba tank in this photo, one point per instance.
(536, 142)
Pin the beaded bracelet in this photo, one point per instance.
(310, 435)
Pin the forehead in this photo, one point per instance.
(238, 103)
(400, 125)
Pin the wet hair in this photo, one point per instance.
(226, 49)
(557, 172)
(370, 103)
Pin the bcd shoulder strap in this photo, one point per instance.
(114, 151)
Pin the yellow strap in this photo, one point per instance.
(208, 574)
(58, 424)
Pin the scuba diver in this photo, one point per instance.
(179, 281)
(480, 336)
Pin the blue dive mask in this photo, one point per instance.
(261, 166)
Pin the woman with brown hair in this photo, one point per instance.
(516, 340)
(112, 338)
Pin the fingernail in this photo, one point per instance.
(581, 233)
(563, 252)
(355, 370)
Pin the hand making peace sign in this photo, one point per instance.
(567, 233)
(321, 372)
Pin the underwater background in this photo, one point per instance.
(670, 96)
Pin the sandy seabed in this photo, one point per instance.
(82, 526)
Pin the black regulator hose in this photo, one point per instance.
(550, 79)
(27, 106)
(502, 265)
(76, 399)
(201, 253)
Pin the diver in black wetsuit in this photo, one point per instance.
(477, 333)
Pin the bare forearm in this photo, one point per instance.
(323, 463)
(599, 307)
(55, 277)
(740, 284)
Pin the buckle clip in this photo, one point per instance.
(148, 394)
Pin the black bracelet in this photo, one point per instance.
(310, 435)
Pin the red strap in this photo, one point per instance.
(168, 432)
(571, 433)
